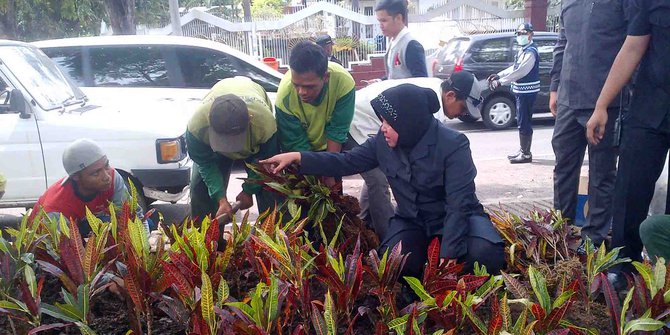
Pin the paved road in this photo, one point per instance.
(516, 186)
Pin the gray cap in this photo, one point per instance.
(228, 124)
(79, 155)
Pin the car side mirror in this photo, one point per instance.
(17, 103)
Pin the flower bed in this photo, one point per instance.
(270, 278)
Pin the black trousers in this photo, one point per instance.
(642, 156)
(570, 144)
(524, 112)
(415, 241)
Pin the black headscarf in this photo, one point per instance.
(409, 110)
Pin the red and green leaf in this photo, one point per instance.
(612, 300)
(70, 257)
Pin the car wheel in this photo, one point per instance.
(499, 113)
(467, 118)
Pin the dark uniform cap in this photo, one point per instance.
(228, 124)
(525, 28)
(324, 40)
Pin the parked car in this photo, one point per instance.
(491, 53)
(42, 111)
(121, 70)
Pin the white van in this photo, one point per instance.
(122, 70)
(42, 111)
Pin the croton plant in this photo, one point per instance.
(311, 267)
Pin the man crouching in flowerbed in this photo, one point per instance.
(91, 183)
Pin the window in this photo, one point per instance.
(202, 68)
(454, 50)
(129, 66)
(69, 61)
(546, 49)
(367, 10)
(4, 97)
(495, 50)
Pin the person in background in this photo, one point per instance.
(524, 76)
(326, 42)
(315, 103)
(233, 123)
(405, 56)
(431, 173)
(645, 138)
(590, 35)
(3, 183)
(90, 183)
(655, 236)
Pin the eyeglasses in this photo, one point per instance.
(475, 101)
(522, 32)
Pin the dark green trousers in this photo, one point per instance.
(202, 204)
(655, 236)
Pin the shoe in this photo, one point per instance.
(581, 249)
(521, 159)
(525, 156)
(618, 281)
(405, 297)
(516, 154)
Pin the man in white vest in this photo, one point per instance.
(405, 57)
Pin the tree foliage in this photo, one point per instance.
(30, 20)
(40, 19)
(261, 8)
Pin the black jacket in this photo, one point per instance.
(590, 36)
(433, 187)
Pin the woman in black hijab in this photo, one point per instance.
(431, 173)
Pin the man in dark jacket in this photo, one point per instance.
(431, 173)
(591, 33)
(646, 130)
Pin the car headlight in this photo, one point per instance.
(170, 150)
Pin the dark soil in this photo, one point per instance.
(596, 317)
(109, 315)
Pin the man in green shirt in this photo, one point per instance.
(315, 102)
(234, 122)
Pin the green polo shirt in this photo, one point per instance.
(260, 144)
(308, 127)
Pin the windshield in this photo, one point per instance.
(40, 77)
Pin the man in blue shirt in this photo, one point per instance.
(524, 76)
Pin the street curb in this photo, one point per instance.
(520, 207)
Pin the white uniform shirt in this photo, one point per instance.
(365, 122)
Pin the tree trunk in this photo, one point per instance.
(8, 21)
(246, 7)
(121, 16)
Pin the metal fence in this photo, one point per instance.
(354, 41)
